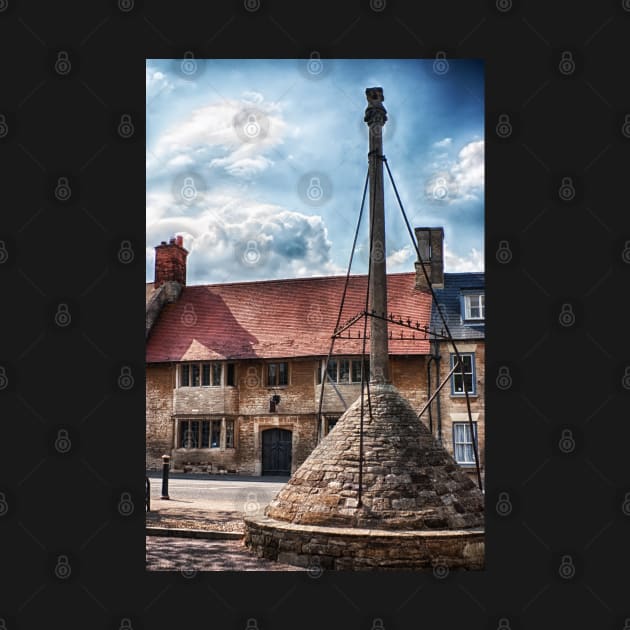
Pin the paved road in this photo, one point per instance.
(210, 498)
(215, 492)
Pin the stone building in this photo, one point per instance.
(234, 370)
(461, 297)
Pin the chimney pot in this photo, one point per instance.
(431, 248)
(179, 240)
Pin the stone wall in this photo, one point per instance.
(159, 413)
(295, 398)
(409, 376)
(248, 404)
(453, 408)
(303, 427)
(204, 400)
(362, 549)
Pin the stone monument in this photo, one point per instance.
(378, 492)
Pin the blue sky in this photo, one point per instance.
(260, 164)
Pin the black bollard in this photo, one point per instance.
(165, 466)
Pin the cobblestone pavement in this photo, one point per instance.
(190, 555)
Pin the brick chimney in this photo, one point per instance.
(170, 262)
(431, 247)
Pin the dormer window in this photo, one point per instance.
(474, 306)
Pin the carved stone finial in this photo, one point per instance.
(374, 95)
(375, 112)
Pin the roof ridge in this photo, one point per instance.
(304, 279)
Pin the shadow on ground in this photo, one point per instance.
(190, 555)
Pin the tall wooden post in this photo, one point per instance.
(375, 117)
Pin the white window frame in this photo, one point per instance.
(480, 299)
(467, 443)
(457, 374)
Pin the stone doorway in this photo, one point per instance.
(276, 451)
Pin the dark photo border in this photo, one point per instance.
(557, 142)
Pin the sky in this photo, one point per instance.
(260, 164)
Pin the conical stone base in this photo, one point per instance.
(410, 482)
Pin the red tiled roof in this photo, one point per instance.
(279, 319)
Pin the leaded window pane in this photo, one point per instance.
(216, 374)
(344, 370)
(229, 433)
(332, 370)
(271, 374)
(230, 374)
(216, 434)
(205, 433)
(283, 374)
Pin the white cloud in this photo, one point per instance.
(214, 137)
(454, 263)
(253, 97)
(240, 164)
(400, 258)
(180, 161)
(283, 243)
(156, 83)
(468, 171)
(442, 144)
(462, 180)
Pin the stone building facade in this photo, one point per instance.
(234, 371)
(461, 297)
